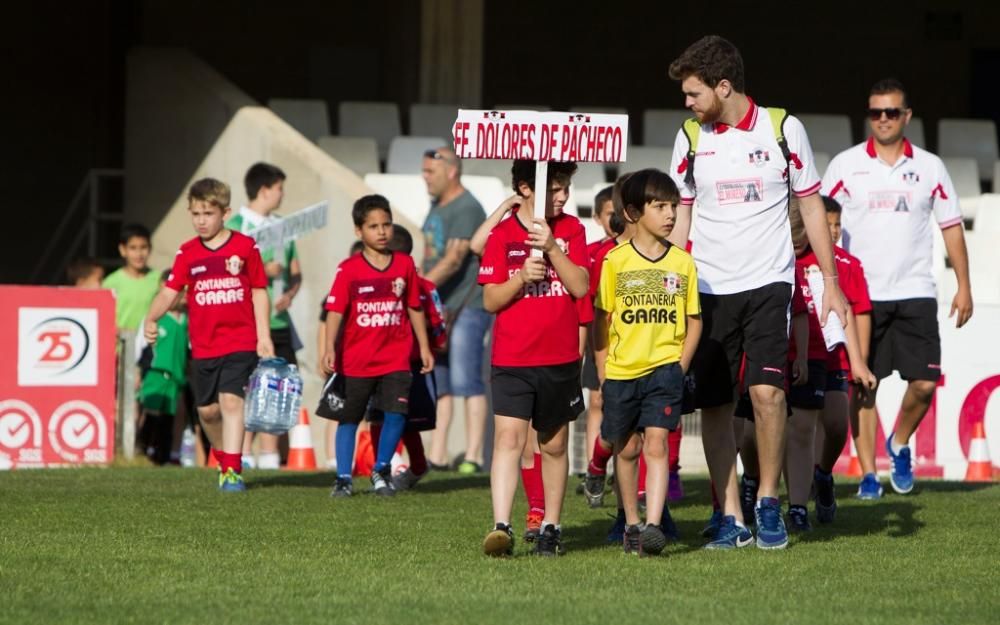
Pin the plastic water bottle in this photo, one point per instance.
(291, 396)
(262, 405)
(187, 448)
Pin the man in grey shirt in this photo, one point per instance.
(453, 218)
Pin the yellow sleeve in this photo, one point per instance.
(606, 288)
(693, 300)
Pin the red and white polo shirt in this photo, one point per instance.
(886, 218)
(741, 189)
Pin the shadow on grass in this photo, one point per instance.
(325, 479)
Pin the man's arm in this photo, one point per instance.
(262, 319)
(450, 262)
(958, 254)
(814, 219)
(682, 226)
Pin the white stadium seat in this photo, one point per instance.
(407, 194)
(359, 154)
(370, 119)
(490, 191)
(914, 132)
(406, 154)
(309, 117)
(965, 176)
(988, 216)
(822, 160)
(996, 177)
(969, 138)
(488, 167)
(587, 175)
(433, 120)
(827, 133)
(660, 126)
(644, 157)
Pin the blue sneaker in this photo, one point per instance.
(617, 532)
(870, 488)
(710, 530)
(231, 482)
(771, 533)
(901, 476)
(667, 525)
(730, 535)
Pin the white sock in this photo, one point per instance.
(270, 461)
(896, 447)
(555, 525)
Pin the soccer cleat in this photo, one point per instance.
(771, 532)
(826, 499)
(593, 489)
(729, 535)
(231, 482)
(870, 488)
(667, 525)
(675, 490)
(901, 476)
(617, 531)
(405, 480)
(632, 540)
(343, 487)
(652, 540)
(469, 468)
(748, 498)
(712, 528)
(549, 542)
(798, 519)
(381, 484)
(499, 542)
(533, 525)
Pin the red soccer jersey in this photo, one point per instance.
(599, 251)
(377, 337)
(430, 303)
(540, 326)
(220, 308)
(802, 302)
(851, 278)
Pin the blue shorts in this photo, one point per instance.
(654, 400)
(838, 380)
(461, 370)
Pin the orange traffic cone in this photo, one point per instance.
(301, 456)
(980, 468)
(210, 461)
(854, 467)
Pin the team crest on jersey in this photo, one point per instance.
(674, 283)
(398, 287)
(234, 264)
(759, 157)
(911, 177)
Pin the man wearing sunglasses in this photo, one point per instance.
(889, 190)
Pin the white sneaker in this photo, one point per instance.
(269, 462)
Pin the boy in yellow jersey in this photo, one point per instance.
(648, 312)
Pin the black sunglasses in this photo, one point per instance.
(433, 154)
(876, 114)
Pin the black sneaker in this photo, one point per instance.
(549, 542)
(826, 500)
(499, 542)
(593, 488)
(798, 519)
(632, 540)
(748, 498)
(343, 487)
(382, 482)
(652, 540)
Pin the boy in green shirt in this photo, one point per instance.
(135, 284)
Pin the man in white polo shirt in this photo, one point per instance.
(741, 180)
(889, 189)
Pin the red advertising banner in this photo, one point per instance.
(57, 383)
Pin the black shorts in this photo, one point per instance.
(422, 413)
(588, 376)
(548, 396)
(654, 401)
(812, 394)
(838, 380)
(388, 393)
(225, 374)
(754, 323)
(905, 338)
(282, 341)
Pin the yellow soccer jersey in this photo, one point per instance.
(648, 300)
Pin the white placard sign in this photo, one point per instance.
(277, 234)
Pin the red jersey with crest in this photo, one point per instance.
(540, 326)
(377, 337)
(218, 281)
(433, 308)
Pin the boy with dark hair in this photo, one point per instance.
(369, 294)
(648, 318)
(228, 312)
(135, 284)
(536, 347)
(85, 273)
(265, 187)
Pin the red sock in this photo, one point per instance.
(642, 474)
(415, 449)
(376, 431)
(674, 449)
(534, 489)
(599, 462)
(229, 461)
(715, 499)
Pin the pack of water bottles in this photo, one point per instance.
(274, 397)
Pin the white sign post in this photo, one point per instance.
(277, 234)
(541, 137)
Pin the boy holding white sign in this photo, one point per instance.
(536, 357)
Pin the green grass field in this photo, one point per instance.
(146, 545)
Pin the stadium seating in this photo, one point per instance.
(984, 257)
(827, 133)
(588, 175)
(972, 138)
(490, 191)
(407, 194)
(643, 157)
(406, 153)
(487, 167)
(965, 176)
(433, 120)
(822, 160)
(988, 216)
(606, 110)
(660, 126)
(521, 107)
(309, 117)
(914, 132)
(996, 177)
(359, 154)
(370, 119)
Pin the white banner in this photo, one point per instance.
(277, 234)
(541, 136)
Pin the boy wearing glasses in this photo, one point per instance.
(889, 189)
